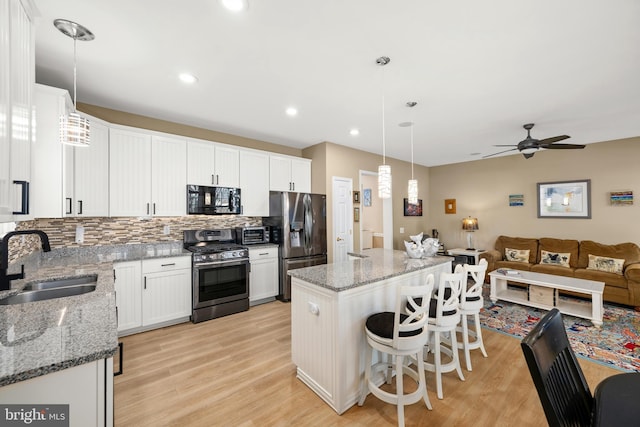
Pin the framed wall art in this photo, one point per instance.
(621, 198)
(412, 210)
(516, 200)
(356, 214)
(449, 206)
(564, 199)
(366, 196)
(356, 197)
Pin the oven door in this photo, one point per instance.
(219, 282)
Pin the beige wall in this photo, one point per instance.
(345, 162)
(482, 188)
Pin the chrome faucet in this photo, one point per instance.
(5, 279)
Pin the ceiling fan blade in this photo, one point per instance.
(561, 146)
(495, 154)
(553, 139)
(506, 145)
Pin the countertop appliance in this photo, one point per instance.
(220, 271)
(252, 235)
(299, 223)
(203, 200)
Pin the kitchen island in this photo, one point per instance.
(329, 306)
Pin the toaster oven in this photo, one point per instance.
(252, 235)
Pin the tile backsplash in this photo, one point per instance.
(118, 230)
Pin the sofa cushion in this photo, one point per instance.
(553, 269)
(517, 255)
(610, 279)
(513, 265)
(555, 258)
(560, 246)
(601, 263)
(503, 242)
(629, 252)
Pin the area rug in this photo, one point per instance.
(615, 344)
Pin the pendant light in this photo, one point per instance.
(412, 190)
(74, 129)
(384, 170)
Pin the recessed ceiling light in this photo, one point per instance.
(235, 5)
(292, 111)
(188, 78)
(354, 132)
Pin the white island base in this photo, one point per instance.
(327, 330)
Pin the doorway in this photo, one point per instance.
(376, 215)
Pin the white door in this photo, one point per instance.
(342, 218)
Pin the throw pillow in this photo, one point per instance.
(555, 258)
(518, 255)
(601, 263)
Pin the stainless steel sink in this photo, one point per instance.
(59, 288)
(61, 283)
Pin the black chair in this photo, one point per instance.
(562, 388)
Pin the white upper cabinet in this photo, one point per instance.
(67, 180)
(147, 173)
(212, 164)
(129, 173)
(254, 182)
(289, 174)
(17, 80)
(168, 176)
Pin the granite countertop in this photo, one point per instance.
(368, 266)
(41, 337)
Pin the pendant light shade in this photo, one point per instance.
(412, 188)
(74, 129)
(384, 181)
(384, 170)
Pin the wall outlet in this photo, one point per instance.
(401, 230)
(166, 229)
(79, 234)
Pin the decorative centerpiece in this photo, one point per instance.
(418, 248)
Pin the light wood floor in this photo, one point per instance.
(237, 371)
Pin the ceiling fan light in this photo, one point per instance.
(384, 181)
(530, 150)
(74, 130)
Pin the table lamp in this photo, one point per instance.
(470, 225)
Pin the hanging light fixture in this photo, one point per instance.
(74, 129)
(384, 170)
(412, 190)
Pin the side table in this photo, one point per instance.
(471, 254)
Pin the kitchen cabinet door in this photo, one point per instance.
(128, 286)
(166, 289)
(91, 174)
(254, 183)
(129, 173)
(212, 164)
(17, 80)
(263, 279)
(168, 176)
(289, 174)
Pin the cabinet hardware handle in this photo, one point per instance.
(167, 265)
(154, 208)
(264, 253)
(213, 179)
(24, 209)
(79, 207)
(147, 208)
(145, 282)
(293, 184)
(69, 206)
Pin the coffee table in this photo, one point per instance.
(542, 292)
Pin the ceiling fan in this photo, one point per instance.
(529, 146)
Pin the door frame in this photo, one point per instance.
(387, 213)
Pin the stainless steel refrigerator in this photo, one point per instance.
(298, 223)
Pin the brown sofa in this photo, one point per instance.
(619, 288)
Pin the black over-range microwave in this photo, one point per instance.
(203, 200)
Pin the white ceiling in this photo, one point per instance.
(479, 70)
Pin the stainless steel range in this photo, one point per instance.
(220, 273)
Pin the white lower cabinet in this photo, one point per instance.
(87, 389)
(152, 293)
(263, 279)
